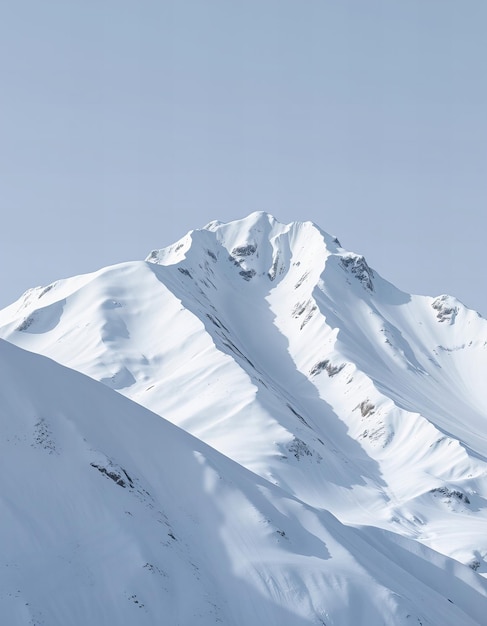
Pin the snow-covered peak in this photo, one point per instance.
(259, 220)
(290, 355)
(258, 246)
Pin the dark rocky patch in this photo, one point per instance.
(25, 324)
(357, 265)
(446, 311)
(451, 493)
(115, 476)
(299, 448)
(247, 250)
(46, 290)
(299, 309)
(326, 366)
(301, 280)
(366, 408)
(43, 437)
(273, 271)
(247, 274)
(300, 417)
(229, 344)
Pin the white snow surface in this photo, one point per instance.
(326, 461)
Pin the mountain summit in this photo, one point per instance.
(351, 414)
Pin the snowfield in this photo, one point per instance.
(300, 442)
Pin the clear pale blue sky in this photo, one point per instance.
(123, 124)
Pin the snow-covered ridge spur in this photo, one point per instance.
(290, 355)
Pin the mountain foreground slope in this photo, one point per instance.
(111, 515)
(289, 355)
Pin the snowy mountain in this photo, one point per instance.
(334, 464)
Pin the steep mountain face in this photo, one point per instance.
(112, 515)
(292, 357)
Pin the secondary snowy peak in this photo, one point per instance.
(290, 355)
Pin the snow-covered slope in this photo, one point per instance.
(111, 515)
(290, 355)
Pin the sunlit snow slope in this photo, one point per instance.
(112, 515)
(290, 355)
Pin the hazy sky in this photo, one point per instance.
(125, 123)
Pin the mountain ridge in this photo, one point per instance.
(290, 355)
